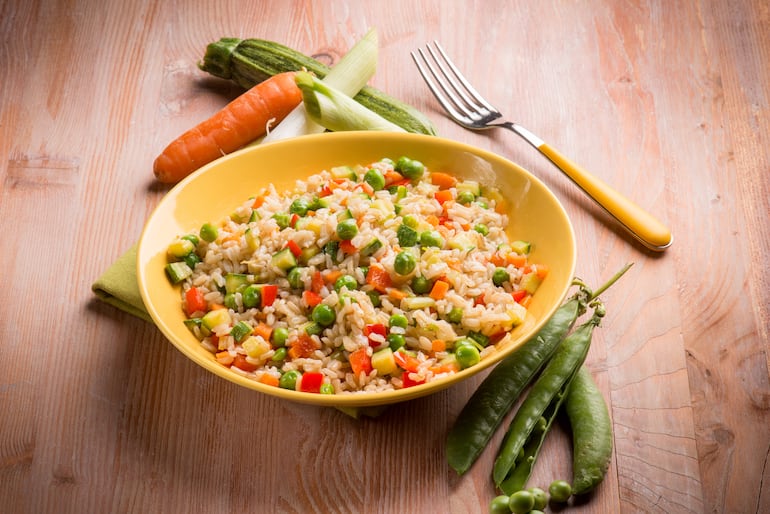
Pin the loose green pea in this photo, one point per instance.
(410, 221)
(374, 178)
(521, 502)
(560, 491)
(323, 315)
(279, 336)
(540, 496)
(289, 380)
(280, 354)
(465, 197)
(347, 229)
(230, 301)
(455, 315)
(431, 238)
(282, 219)
(348, 281)
(295, 278)
(251, 296)
(299, 206)
(481, 229)
(467, 356)
(404, 263)
(395, 341)
(398, 320)
(327, 388)
(499, 505)
(421, 285)
(209, 232)
(192, 238)
(410, 168)
(500, 276)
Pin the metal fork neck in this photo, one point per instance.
(526, 134)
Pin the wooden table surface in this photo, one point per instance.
(667, 101)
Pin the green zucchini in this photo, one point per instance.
(248, 62)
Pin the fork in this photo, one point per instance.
(468, 108)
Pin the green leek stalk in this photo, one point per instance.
(334, 110)
(350, 74)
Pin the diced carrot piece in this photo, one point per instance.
(406, 361)
(396, 293)
(331, 276)
(439, 289)
(347, 247)
(519, 295)
(442, 196)
(433, 220)
(516, 260)
(268, 379)
(263, 330)
(241, 363)
(541, 270)
(392, 176)
(225, 358)
(258, 202)
(442, 180)
(360, 362)
(438, 345)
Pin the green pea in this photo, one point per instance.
(560, 491)
(421, 285)
(327, 388)
(289, 380)
(299, 206)
(279, 336)
(521, 502)
(374, 178)
(209, 232)
(410, 168)
(481, 229)
(467, 355)
(404, 263)
(280, 354)
(347, 281)
(230, 301)
(431, 238)
(323, 315)
(395, 341)
(398, 320)
(410, 221)
(455, 315)
(252, 296)
(499, 505)
(500, 276)
(465, 197)
(192, 238)
(295, 278)
(540, 496)
(347, 229)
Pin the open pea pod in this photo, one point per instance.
(548, 390)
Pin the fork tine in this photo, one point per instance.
(467, 85)
(443, 94)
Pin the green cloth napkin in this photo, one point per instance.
(118, 287)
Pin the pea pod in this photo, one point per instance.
(556, 376)
(489, 404)
(591, 432)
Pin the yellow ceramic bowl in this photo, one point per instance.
(212, 192)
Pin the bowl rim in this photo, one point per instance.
(359, 399)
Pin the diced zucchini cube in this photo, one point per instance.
(215, 318)
(384, 362)
(530, 282)
(178, 271)
(236, 282)
(522, 247)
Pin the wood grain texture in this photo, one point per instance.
(666, 101)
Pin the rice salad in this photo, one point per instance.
(362, 278)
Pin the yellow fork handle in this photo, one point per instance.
(648, 230)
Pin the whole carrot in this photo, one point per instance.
(238, 123)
